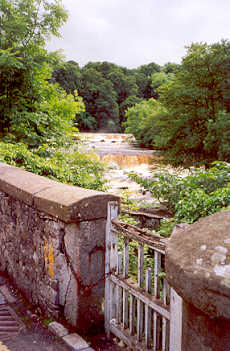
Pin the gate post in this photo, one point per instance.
(110, 261)
(176, 303)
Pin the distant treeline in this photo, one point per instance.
(108, 90)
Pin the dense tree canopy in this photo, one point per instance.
(143, 121)
(197, 99)
(31, 109)
(108, 90)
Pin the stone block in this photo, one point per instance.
(76, 342)
(58, 329)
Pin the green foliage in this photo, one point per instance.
(71, 168)
(166, 227)
(217, 141)
(107, 90)
(32, 110)
(99, 98)
(143, 119)
(26, 24)
(191, 197)
(196, 98)
(159, 79)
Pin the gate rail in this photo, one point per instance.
(140, 307)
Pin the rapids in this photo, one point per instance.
(122, 157)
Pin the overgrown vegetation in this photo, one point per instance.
(108, 90)
(190, 197)
(194, 128)
(62, 165)
(36, 116)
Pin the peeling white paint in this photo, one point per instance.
(221, 249)
(207, 275)
(227, 241)
(199, 261)
(218, 258)
(203, 247)
(222, 271)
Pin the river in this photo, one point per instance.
(122, 157)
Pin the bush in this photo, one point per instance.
(71, 168)
(143, 121)
(189, 198)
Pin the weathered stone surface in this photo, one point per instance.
(198, 264)
(73, 204)
(58, 329)
(52, 243)
(86, 258)
(203, 333)
(198, 268)
(21, 184)
(76, 342)
(68, 203)
(71, 304)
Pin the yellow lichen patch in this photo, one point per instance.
(51, 270)
(3, 347)
(51, 260)
(49, 257)
(51, 253)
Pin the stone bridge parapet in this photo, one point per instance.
(52, 244)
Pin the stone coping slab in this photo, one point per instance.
(65, 202)
(198, 264)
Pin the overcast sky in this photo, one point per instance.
(135, 32)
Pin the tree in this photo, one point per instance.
(99, 98)
(143, 119)
(67, 75)
(195, 97)
(107, 90)
(31, 109)
(159, 79)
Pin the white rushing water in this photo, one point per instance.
(122, 158)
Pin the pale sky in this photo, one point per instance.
(131, 33)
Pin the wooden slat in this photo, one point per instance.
(155, 304)
(165, 291)
(129, 340)
(139, 319)
(164, 334)
(140, 268)
(112, 301)
(154, 241)
(154, 331)
(118, 303)
(125, 309)
(126, 258)
(145, 214)
(119, 263)
(157, 270)
(158, 331)
(148, 311)
(131, 314)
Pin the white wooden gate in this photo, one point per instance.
(140, 307)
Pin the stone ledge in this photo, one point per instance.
(74, 341)
(198, 264)
(65, 202)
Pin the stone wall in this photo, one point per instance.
(52, 244)
(198, 268)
